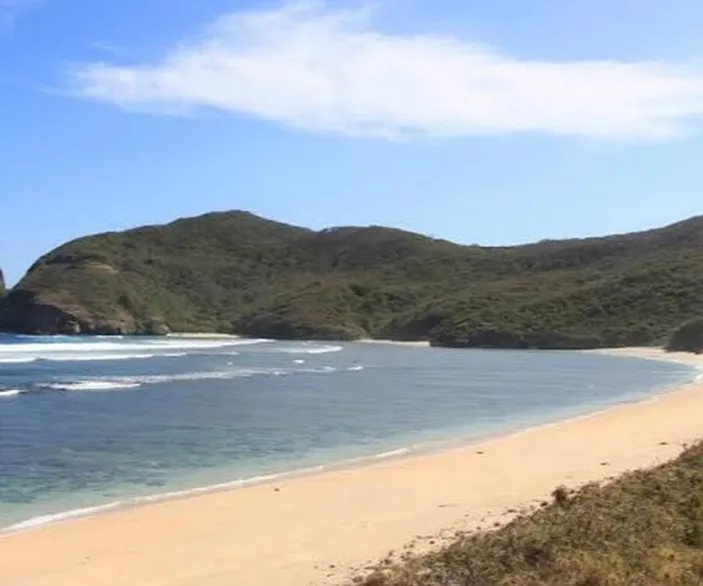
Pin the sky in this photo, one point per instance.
(485, 121)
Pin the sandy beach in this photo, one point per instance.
(317, 529)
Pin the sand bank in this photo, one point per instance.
(655, 354)
(313, 530)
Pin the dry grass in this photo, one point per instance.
(643, 529)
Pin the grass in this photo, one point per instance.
(643, 529)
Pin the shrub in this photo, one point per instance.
(687, 337)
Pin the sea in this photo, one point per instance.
(89, 424)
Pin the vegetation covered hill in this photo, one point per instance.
(644, 529)
(237, 273)
(688, 337)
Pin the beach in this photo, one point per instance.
(320, 528)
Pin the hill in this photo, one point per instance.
(644, 529)
(235, 272)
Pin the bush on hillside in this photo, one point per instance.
(687, 337)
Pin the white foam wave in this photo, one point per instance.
(51, 519)
(112, 357)
(358, 368)
(110, 383)
(9, 393)
(128, 382)
(392, 454)
(112, 350)
(88, 357)
(25, 360)
(311, 350)
(44, 520)
(92, 385)
(96, 357)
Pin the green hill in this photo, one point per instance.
(237, 273)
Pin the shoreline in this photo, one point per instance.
(382, 484)
(430, 447)
(434, 447)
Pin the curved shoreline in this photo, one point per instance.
(429, 447)
(347, 515)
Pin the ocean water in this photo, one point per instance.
(93, 423)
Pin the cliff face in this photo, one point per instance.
(238, 273)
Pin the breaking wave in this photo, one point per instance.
(133, 382)
(44, 520)
(52, 519)
(87, 357)
(91, 385)
(61, 351)
(311, 350)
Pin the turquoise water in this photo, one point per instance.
(86, 422)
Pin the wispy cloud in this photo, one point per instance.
(313, 67)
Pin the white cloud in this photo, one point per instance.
(312, 67)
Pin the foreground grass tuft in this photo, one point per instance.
(646, 528)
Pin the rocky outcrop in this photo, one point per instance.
(19, 313)
(22, 313)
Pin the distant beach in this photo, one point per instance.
(317, 529)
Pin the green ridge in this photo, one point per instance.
(234, 272)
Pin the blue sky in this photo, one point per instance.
(491, 121)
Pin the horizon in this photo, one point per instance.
(494, 124)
